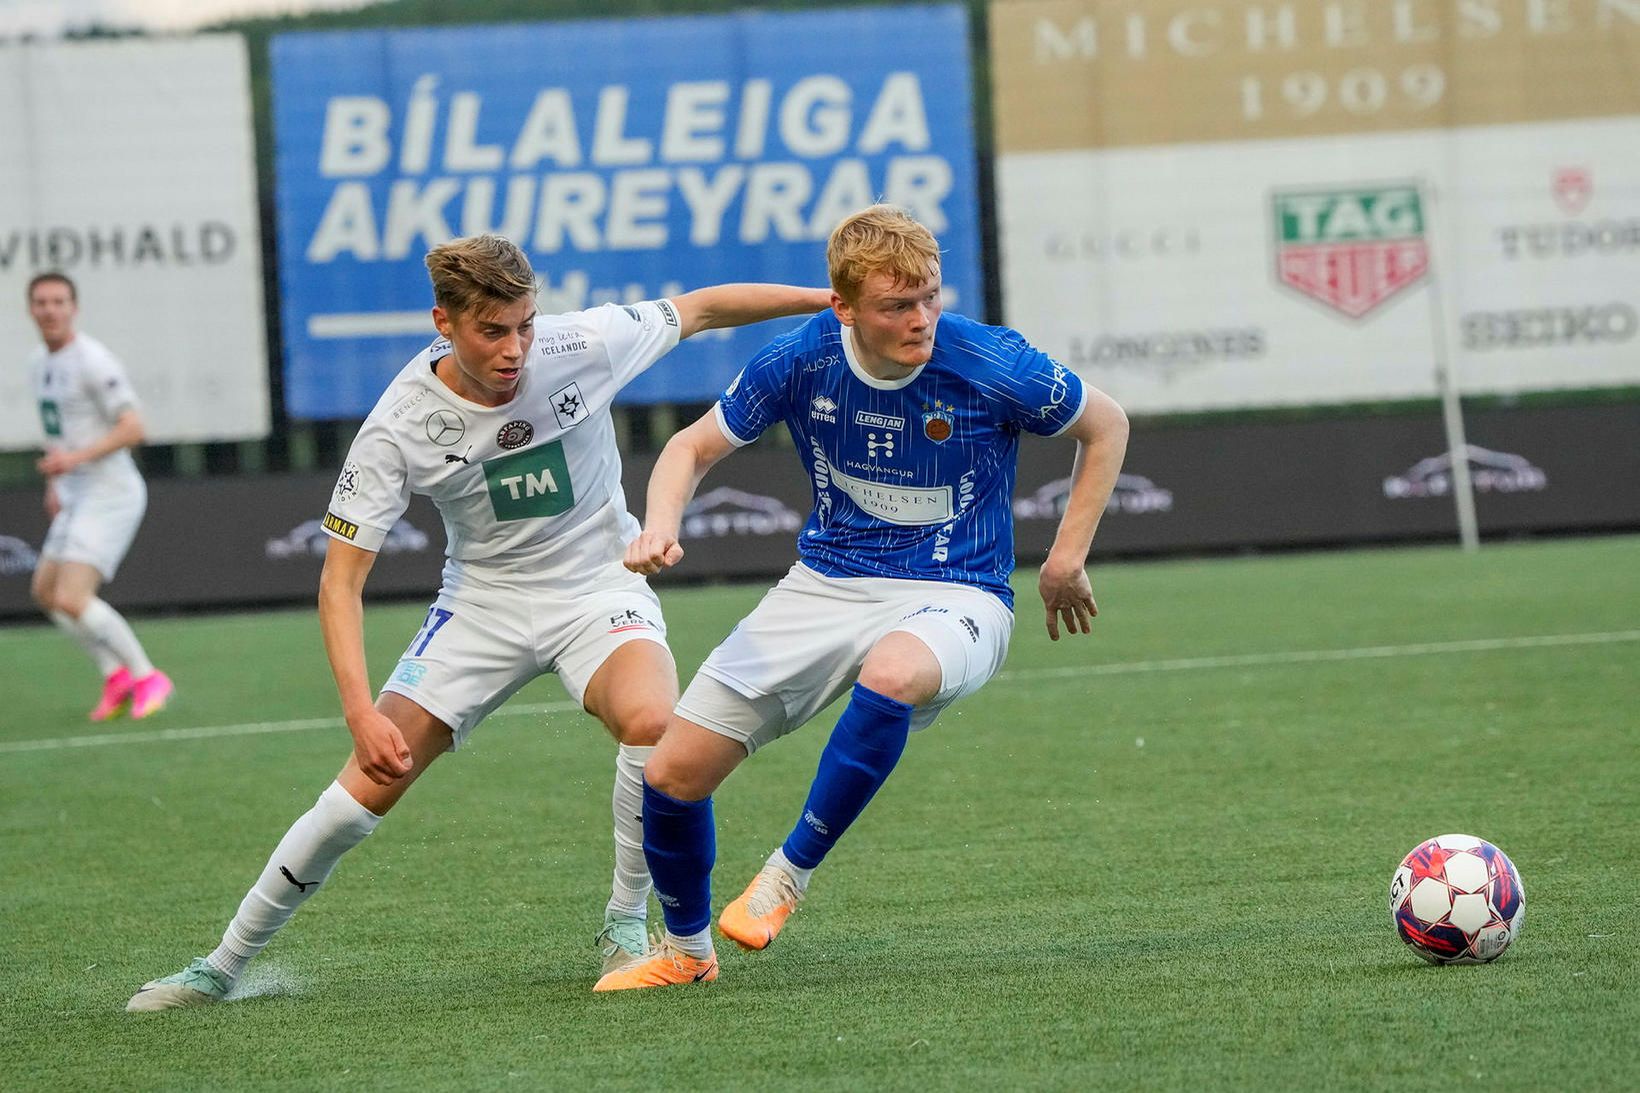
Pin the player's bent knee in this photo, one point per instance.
(914, 688)
(644, 728)
(676, 779)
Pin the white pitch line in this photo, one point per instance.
(250, 728)
(1130, 667)
(1313, 656)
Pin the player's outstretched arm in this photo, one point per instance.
(127, 432)
(1101, 440)
(383, 755)
(677, 474)
(740, 304)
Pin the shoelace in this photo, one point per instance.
(607, 934)
(201, 972)
(775, 887)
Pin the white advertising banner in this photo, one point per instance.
(129, 166)
(1219, 205)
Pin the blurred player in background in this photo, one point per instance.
(908, 424)
(504, 422)
(94, 496)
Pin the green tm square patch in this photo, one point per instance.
(533, 482)
(51, 419)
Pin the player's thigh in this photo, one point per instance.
(802, 645)
(425, 735)
(96, 530)
(901, 666)
(76, 584)
(693, 759)
(43, 584)
(966, 631)
(471, 653)
(633, 691)
(747, 721)
(609, 649)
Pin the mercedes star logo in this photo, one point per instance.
(445, 427)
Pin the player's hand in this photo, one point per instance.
(57, 461)
(1068, 596)
(652, 552)
(379, 746)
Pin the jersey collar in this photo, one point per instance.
(866, 377)
(443, 390)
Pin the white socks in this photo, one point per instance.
(698, 945)
(630, 891)
(107, 662)
(105, 624)
(800, 875)
(303, 859)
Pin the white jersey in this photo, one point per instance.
(532, 487)
(81, 390)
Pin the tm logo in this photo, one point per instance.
(532, 483)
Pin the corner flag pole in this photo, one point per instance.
(1457, 447)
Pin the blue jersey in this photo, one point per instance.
(913, 478)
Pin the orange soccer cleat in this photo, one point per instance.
(664, 966)
(755, 918)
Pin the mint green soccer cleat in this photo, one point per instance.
(623, 939)
(198, 984)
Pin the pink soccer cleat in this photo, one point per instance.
(150, 693)
(116, 693)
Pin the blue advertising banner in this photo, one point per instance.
(630, 159)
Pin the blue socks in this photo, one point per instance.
(680, 837)
(862, 752)
(680, 844)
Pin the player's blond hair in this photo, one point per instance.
(882, 238)
(479, 273)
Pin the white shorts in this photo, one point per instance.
(96, 527)
(480, 642)
(803, 646)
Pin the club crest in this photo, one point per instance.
(938, 422)
(515, 434)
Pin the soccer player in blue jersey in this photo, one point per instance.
(908, 422)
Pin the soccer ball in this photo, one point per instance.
(1457, 899)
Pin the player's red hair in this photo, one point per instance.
(882, 238)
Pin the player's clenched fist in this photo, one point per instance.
(652, 552)
(379, 746)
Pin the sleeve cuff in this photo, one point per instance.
(362, 536)
(1081, 405)
(723, 425)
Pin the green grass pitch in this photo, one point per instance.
(1156, 858)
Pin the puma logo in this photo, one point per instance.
(292, 878)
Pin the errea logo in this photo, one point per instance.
(531, 483)
(823, 409)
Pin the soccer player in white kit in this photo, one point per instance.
(505, 423)
(94, 495)
(908, 424)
